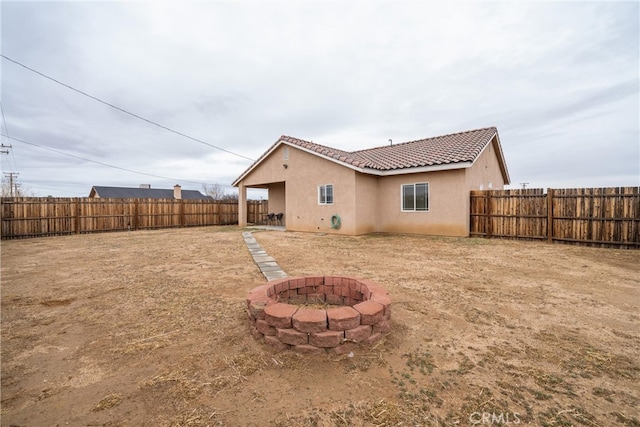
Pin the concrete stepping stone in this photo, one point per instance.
(267, 264)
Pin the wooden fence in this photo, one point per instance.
(24, 217)
(607, 217)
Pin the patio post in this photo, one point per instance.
(242, 205)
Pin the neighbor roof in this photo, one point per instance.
(440, 152)
(145, 193)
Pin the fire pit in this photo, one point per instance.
(315, 314)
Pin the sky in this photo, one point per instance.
(560, 81)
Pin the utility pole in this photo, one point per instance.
(11, 176)
(524, 185)
(5, 151)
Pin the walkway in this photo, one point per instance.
(267, 265)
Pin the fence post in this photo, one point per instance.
(549, 215)
(181, 213)
(77, 216)
(489, 222)
(135, 214)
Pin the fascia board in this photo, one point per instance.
(499, 155)
(503, 162)
(253, 166)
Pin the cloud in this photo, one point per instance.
(557, 79)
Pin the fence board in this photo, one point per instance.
(24, 217)
(607, 217)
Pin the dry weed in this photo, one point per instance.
(109, 401)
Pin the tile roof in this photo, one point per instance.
(461, 147)
(453, 148)
(145, 193)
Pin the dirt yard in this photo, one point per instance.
(149, 328)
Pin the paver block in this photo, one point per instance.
(370, 312)
(332, 281)
(258, 294)
(263, 258)
(274, 275)
(280, 285)
(276, 343)
(344, 348)
(313, 280)
(256, 308)
(372, 286)
(341, 318)
(292, 337)
(279, 315)
(385, 300)
(264, 328)
(308, 349)
(383, 327)
(308, 290)
(297, 299)
(326, 339)
(334, 299)
(355, 295)
(358, 334)
(310, 320)
(296, 282)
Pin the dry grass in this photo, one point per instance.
(150, 328)
(108, 401)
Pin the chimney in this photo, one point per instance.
(145, 186)
(177, 192)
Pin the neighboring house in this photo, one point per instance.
(414, 187)
(145, 192)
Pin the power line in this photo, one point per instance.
(6, 129)
(125, 111)
(101, 163)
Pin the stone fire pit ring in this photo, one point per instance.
(283, 313)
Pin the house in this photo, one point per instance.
(145, 192)
(414, 187)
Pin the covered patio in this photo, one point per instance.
(275, 217)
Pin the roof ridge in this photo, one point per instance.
(289, 138)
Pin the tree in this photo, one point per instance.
(217, 192)
(16, 191)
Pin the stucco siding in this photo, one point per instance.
(366, 201)
(448, 205)
(304, 174)
(270, 170)
(277, 203)
(294, 190)
(485, 173)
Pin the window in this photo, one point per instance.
(415, 197)
(325, 194)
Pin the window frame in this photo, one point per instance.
(427, 197)
(325, 202)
